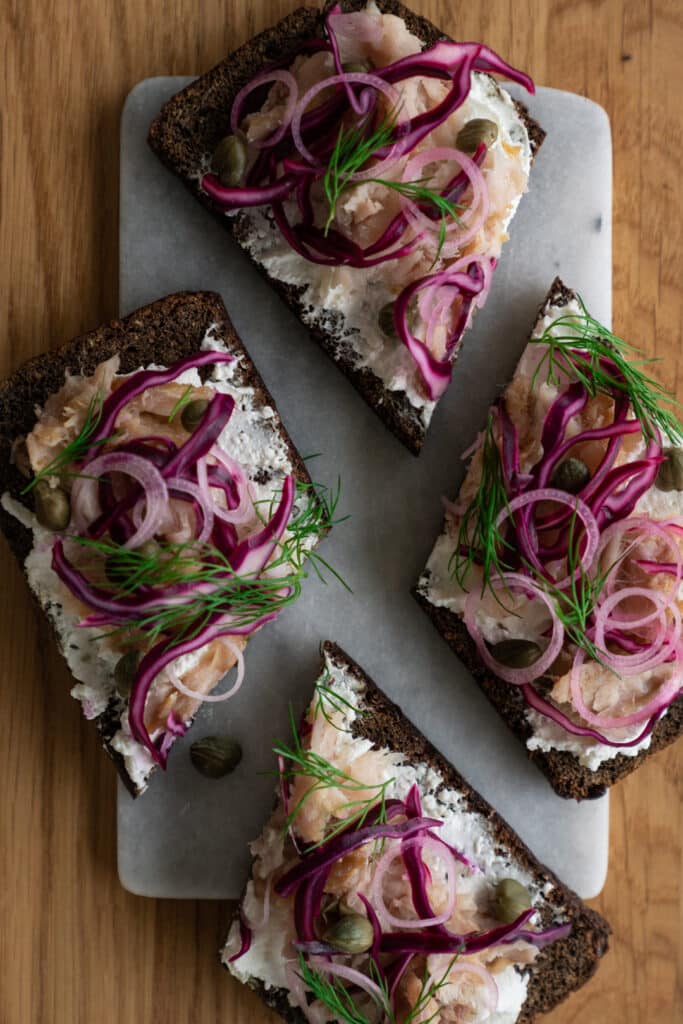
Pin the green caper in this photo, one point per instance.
(510, 900)
(571, 475)
(52, 505)
(150, 549)
(357, 67)
(350, 934)
(474, 132)
(193, 414)
(229, 161)
(385, 320)
(670, 475)
(124, 672)
(215, 756)
(516, 653)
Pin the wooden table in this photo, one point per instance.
(74, 947)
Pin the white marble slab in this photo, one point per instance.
(187, 836)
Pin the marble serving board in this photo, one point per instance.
(187, 836)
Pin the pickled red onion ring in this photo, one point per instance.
(245, 509)
(144, 473)
(486, 978)
(480, 201)
(211, 698)
(582, 511)
(447, 859)
(347, 78)
(278, 75)
(661, 700)
(518, 676)
(653, 654)
(179, 483)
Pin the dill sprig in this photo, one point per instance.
(245, 597)
(326, 697)
(324, 775)
(78, 447)
(478, 535)
(184, 400)
(333, 993)
(353, 148)
(587, 352)
(428, 990)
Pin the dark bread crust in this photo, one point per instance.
(192, 123)
(162, 333)
(566, 775)
(561, 967)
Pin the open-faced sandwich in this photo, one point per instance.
(370, 167)
(160, 512)
(385, 890)
(557, 578)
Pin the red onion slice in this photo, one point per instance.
(288, 79)
(447, 859)
(141, 470)
(178, 483)
(485, 977)
(666, 693)
(518, 676)
(350, 78)
(472, 220)
(211, 698)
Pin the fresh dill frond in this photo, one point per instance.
(479, 537)
(326, 697)
(428, 990)
(419, 192)
(333, 993)
(184, 400)
(587, 352)
(324, 775)
(352, 150)
(79, 447)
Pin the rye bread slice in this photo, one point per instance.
(190, 125)
(160, 333)
(561, 967)
(568, 777)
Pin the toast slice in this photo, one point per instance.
(351, 723)
(342, 316)
(577, 765)
(158, 335)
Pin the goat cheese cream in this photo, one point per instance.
(252, 438)
(267, 960)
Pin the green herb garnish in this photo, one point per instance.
(579, 351)
(333, 993)
(324, 775)
(352, 151)
(79, 447)
(428, 990)
(326, 697)
(184, 400)
(478, 535)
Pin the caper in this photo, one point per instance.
(510, 900)
(670, 475)
(150, 549)
(124, 672)
(474, 132)
(229, 160)
(385, 320)
(193, 414)
(215, 756)
(52, 505)
(516, 653)
(21, 459)
(350, 934)
(571, 475)
(357, 67)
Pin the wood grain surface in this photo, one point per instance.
(74, 947)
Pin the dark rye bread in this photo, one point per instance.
(561, 967)
(567, 776)
(161, 333)
(191, 124)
